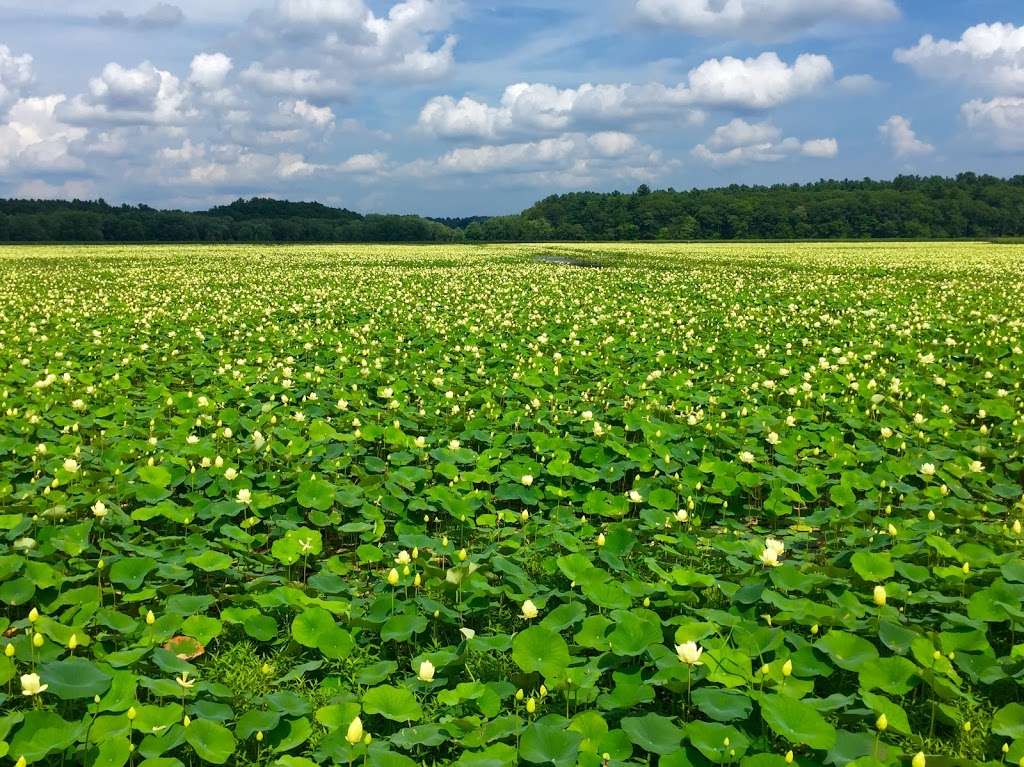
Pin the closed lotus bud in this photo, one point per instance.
(33, 615)
(462, 555)
(966, 568)
(9, 650)
(37, 640)
(879, 596)
(918, 760)
(417, 580)
(150, 618)
(815, 629)
(259, 736)
(647, 601)
(73, 642)
(131, 714)
(354, 734)
(967, 726)
(787, 668)
(426, 671)
(393, 577)
(531, 705)
(600, 540)
(543, 691)
(789, 757)
(21, 762)
(882, 723)
(520, 695)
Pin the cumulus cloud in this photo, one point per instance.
(761, 19)
(564, 160)
(898, 133)
(230, 165)
(292, 82)
(320, 117)
(33, 138)
(160, 15)
(757, 83)
(142, 95)
(997, 120)
(988, 55)
(408, 42)
(15, 74)
(740, 142)
(209, 71)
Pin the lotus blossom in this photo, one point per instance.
(30, 685)
(689, 653)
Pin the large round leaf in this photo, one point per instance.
(797, 721)
(74, 678)
(546, 744)
(538, 649)
(653, 732)
(395, 703)
(316, 494)
(212, 742)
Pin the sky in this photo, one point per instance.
(474, 107)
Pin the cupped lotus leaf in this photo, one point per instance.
(536, 649)
(874, 567)
(395, 703)
(316, 494)
(549, 744)
(797, 721)
(848, 651)
(74, 678)
(1009, 721)
(654, 733)
(211, 741)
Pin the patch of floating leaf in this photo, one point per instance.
(755, 505)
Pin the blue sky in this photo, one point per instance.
(460, 107)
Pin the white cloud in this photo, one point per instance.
(822, 148)
(292, 82)
(989, 55)
(320, 117)
(318, 12)
(15, 74)
(901, 138)
(858, 83)
(565, 160)
(761, 19)
(142, 95)
(364, 163)
(740, 142)
(33, 138)
(69, 190)
(210, 70)
(404, 43)
(161, 15)
(741, 133)
(755, 83)
(997, 120)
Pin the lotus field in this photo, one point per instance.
(668, 505)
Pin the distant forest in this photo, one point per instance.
(908, 207)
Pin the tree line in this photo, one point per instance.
(910, 207)
(256, 220)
